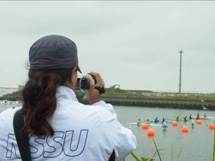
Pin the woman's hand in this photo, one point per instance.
(97, 81)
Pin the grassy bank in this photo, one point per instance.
(160, 95)
(124, 93)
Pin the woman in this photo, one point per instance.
(59, 127)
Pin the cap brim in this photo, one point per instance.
(78, 69)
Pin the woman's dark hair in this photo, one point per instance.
(39, 99)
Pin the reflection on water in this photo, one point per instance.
(196, 145)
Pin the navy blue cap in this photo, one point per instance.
(53, 52)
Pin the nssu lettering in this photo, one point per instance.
(68, 143)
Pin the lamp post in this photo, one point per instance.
(180, 52)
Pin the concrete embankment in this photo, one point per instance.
(161, 102)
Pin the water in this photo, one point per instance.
(196, 145)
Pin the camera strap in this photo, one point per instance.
(21, 136)
(112, 157)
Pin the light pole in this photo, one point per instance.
(180, 52)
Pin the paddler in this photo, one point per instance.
(177, 118)
(138, 122)
(205, 115)
(192, 123)
(197, 117)
(156, 120)
(163, 120)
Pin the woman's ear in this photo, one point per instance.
(74, 70)
(71, 82)
(73, 78)
(74, 74)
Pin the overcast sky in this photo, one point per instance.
(133, 44)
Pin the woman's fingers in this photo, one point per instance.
(98, 78)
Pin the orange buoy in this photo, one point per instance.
(145, 126)
(151, 132)
(174, 123)
(199, 122)
(211, 126)
(184, 129)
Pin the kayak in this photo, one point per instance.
(181, 120)
(160, 121)
(151, 124)
(194, 118)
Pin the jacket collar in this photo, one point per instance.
(66, 93)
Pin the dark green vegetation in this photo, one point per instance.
(162, 95)
(11, 97)
(146, 98)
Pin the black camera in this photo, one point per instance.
(84, 84)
